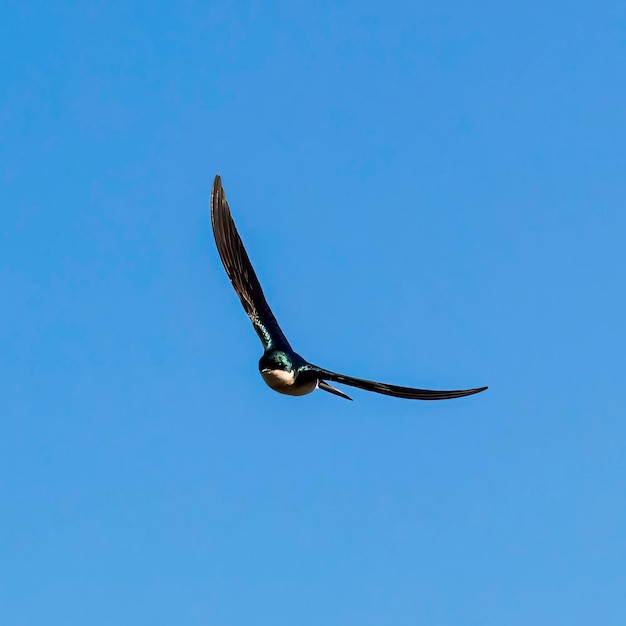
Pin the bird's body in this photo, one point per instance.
(282, 369)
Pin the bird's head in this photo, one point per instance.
(274, 360)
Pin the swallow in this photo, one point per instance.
(283, 369)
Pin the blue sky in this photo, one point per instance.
(432, 195)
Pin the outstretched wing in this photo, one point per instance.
(240, 271)
(395, 390)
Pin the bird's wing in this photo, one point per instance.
(240, 271)
(395, 390)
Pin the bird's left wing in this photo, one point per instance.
(394, 390)
(241, 273)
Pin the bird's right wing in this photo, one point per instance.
(240, 271)
(394, 390)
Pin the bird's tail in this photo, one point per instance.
(322, 384)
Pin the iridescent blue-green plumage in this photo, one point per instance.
(283, 369)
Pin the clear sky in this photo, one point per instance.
(433, 194)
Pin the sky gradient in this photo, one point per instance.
(432, 195)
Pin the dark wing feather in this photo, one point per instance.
(395, 390)
(240, 271)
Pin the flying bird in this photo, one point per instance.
(282, 369)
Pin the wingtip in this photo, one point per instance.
(217, 184)
(217, 195)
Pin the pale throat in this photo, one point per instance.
(279, 378)
(284, 382)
